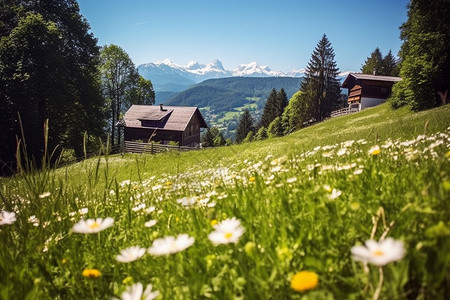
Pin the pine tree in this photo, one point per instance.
(374, 63)
(282, 102)
(270, 109)
(246, 124)
(320, 85)
(389, 66)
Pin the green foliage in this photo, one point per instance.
(297, 113)
(249, 138)
(48, 70)
(270, 111)
(425, 60)
(373, 63)
(213, 138)
(275, 128)
(225, 94)
(321, 87)
(261, 134)
(387, 66)
(122, 86)
(277, 188)
(246, 125)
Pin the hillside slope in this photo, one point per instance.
(283, 218)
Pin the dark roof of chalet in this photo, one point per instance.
(361, 76)
(178, 116)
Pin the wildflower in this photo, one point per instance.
(252, 179)
(150, 209)
(130, 254)
(7, 218)
(187, 201)
(170, 244)
(291, 180)
(357, 171)
(92, 225)
(44, 195)
(304, 281)
(91, 273)
(227, 231)
(150, 223)
(33, 220)
(334, 194)
(375, 150)
(341, 152)
(139, 207)
(136, 292)
(379, 253)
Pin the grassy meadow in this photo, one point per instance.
(245, 220)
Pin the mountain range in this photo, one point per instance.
(168, 76)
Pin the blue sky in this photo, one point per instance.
(280, 34)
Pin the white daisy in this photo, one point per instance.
(170, 244)
(150, 223)
(130, 254)
(379, 253)
(334, 194)
(227, 231)
(136, 292)
(7, 218)
(92, 225)
(187, 201)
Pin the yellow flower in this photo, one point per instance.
(304, 280)
(214, 222)
(375, 150)
(252, 179)
(91, 273)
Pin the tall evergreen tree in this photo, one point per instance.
(270, 109)
(389, 65)
(282, 102)
(320, 85)
(48, 70)
(424, 56)
(374, 63)
(246, 124)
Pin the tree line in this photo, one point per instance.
(423, 65)
(51, 68)
(318, 96)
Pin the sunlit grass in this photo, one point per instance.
(241, 221)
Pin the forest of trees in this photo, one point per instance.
(424, 56)
(379, 65)
(319, 95)
(52, 72)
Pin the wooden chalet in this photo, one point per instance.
(150, 123)
(366, 90)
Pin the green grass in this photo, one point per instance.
(277, 188)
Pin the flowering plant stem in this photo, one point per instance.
(377, 293)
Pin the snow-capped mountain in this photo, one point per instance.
(169, 76)
(254, 70)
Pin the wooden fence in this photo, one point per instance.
(151, 148)
(343, 111)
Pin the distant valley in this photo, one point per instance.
(220, 94)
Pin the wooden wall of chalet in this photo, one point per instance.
(189, 137)
(369, 89)
(160, 135)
